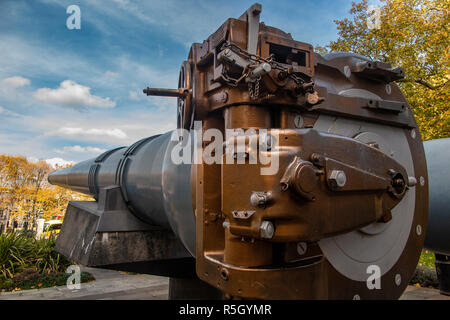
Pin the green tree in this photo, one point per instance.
(414, 35)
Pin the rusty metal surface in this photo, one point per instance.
(312, 206)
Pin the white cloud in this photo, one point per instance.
(72, 94)
(32, 159)
(6, 112)
(16, 82)
(81, 149)
(59, 162)
(31, 56)
(133, 95)
(114, 133)
(54, 162)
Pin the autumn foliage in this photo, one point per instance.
(414, 35)
(25, 194)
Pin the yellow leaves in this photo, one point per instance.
(414, 36)
(25, 192)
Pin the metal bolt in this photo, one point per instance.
(412, 181)
(338, 178)
(312, 98)
(221, 97)
(398, 279)
(267, 230)
(227, 52)
(260, 199)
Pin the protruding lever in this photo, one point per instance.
(178, 93)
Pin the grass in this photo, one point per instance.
(30, 279)
(27, 263)
(425, 274)
(426, 259)
(19, 252)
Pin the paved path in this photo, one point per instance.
(114, 285)
(418, 293)
(109, 285)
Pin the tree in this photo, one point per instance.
(14, 178)
(25, 193)
(414, 35)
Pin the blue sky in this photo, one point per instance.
(70, 94)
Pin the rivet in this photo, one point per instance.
(398, 279)
(422, 181)
(388, 89)
(419, 229)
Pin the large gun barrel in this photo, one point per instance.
(438, 234)
(154, 189)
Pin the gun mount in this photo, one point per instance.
(349, 192)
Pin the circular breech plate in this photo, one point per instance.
(388, 251)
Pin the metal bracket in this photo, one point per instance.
(242, 214)
(378, 71)
(387, 105)
(253, 27)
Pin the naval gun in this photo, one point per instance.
(318, 188)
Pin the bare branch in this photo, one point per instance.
(424, 83)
